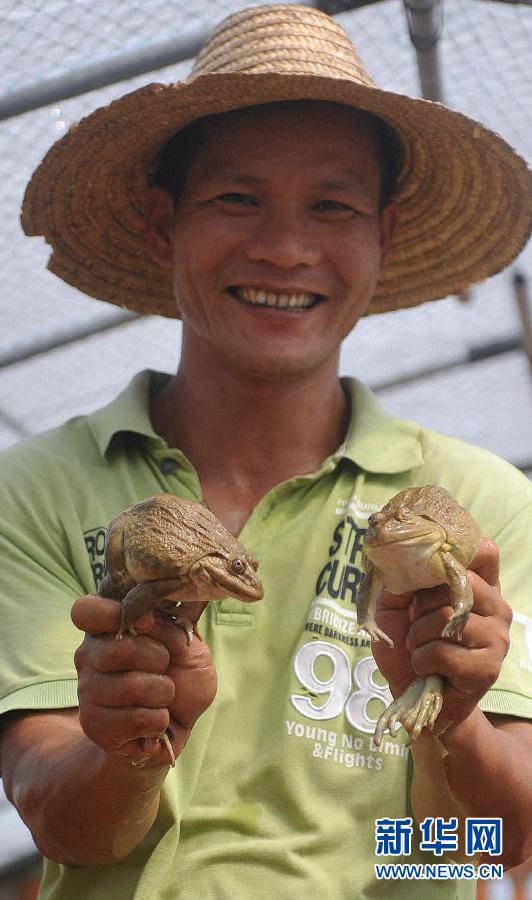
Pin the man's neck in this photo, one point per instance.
(244, 436)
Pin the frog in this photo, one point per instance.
(421, 538)
(172, 555)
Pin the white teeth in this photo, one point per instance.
(280, 301)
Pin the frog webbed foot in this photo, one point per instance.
(416, 709)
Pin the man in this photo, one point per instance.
(271, 250)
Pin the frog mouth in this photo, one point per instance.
(400, 532)
(222, 584)
(230, 587)
(292, 301)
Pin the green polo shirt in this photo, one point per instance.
(277, 791)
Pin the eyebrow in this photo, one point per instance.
(343, 184)
(217, 173)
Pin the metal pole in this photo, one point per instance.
(523, 305)
(66, 337)
(137, 61)
(425, 24)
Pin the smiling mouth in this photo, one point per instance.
(260, 297)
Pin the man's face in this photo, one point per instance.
(277, 240)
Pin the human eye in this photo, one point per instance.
(335, 208)
(236, 198)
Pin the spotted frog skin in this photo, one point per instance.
(420, 539)
(169, 550)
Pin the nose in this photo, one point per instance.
(284, 240)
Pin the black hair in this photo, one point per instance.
(389, 159)
(170, 166)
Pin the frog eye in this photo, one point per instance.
(237, 565)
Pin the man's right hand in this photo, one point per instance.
(138, 687)
(69, 772)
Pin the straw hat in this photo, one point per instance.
(463, 193)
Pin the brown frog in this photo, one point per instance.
(420, 539)
(169, 550)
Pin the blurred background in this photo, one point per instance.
(460, 366)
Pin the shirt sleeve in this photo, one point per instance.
(39, 581)
(512, 692)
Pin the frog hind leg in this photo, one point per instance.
(370, 589)
(417, 708)
(462, 596)
(143, 598)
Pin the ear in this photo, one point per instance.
(159, 215)
(388, 224)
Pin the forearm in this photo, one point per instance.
(478, 769)
(83, 806)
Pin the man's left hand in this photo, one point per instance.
(415, 623)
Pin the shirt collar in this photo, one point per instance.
(376, 441)
(129, 412)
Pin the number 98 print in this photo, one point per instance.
(343, 689)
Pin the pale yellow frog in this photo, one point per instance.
(420, 539)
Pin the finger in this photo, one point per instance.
(127, 689)
(427, 600)
(486, 562)
(103, 653)
(96, 615)
(173, 636)
(388, 601)
(101, 615)
(195, 682)
(487, 600)
(114, 728)
(479, 631)
(467, 668)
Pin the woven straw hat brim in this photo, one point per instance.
(463, 195)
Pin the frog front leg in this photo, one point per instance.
(461, 594)
(370, 590)
(417, 708)
(143, 598)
